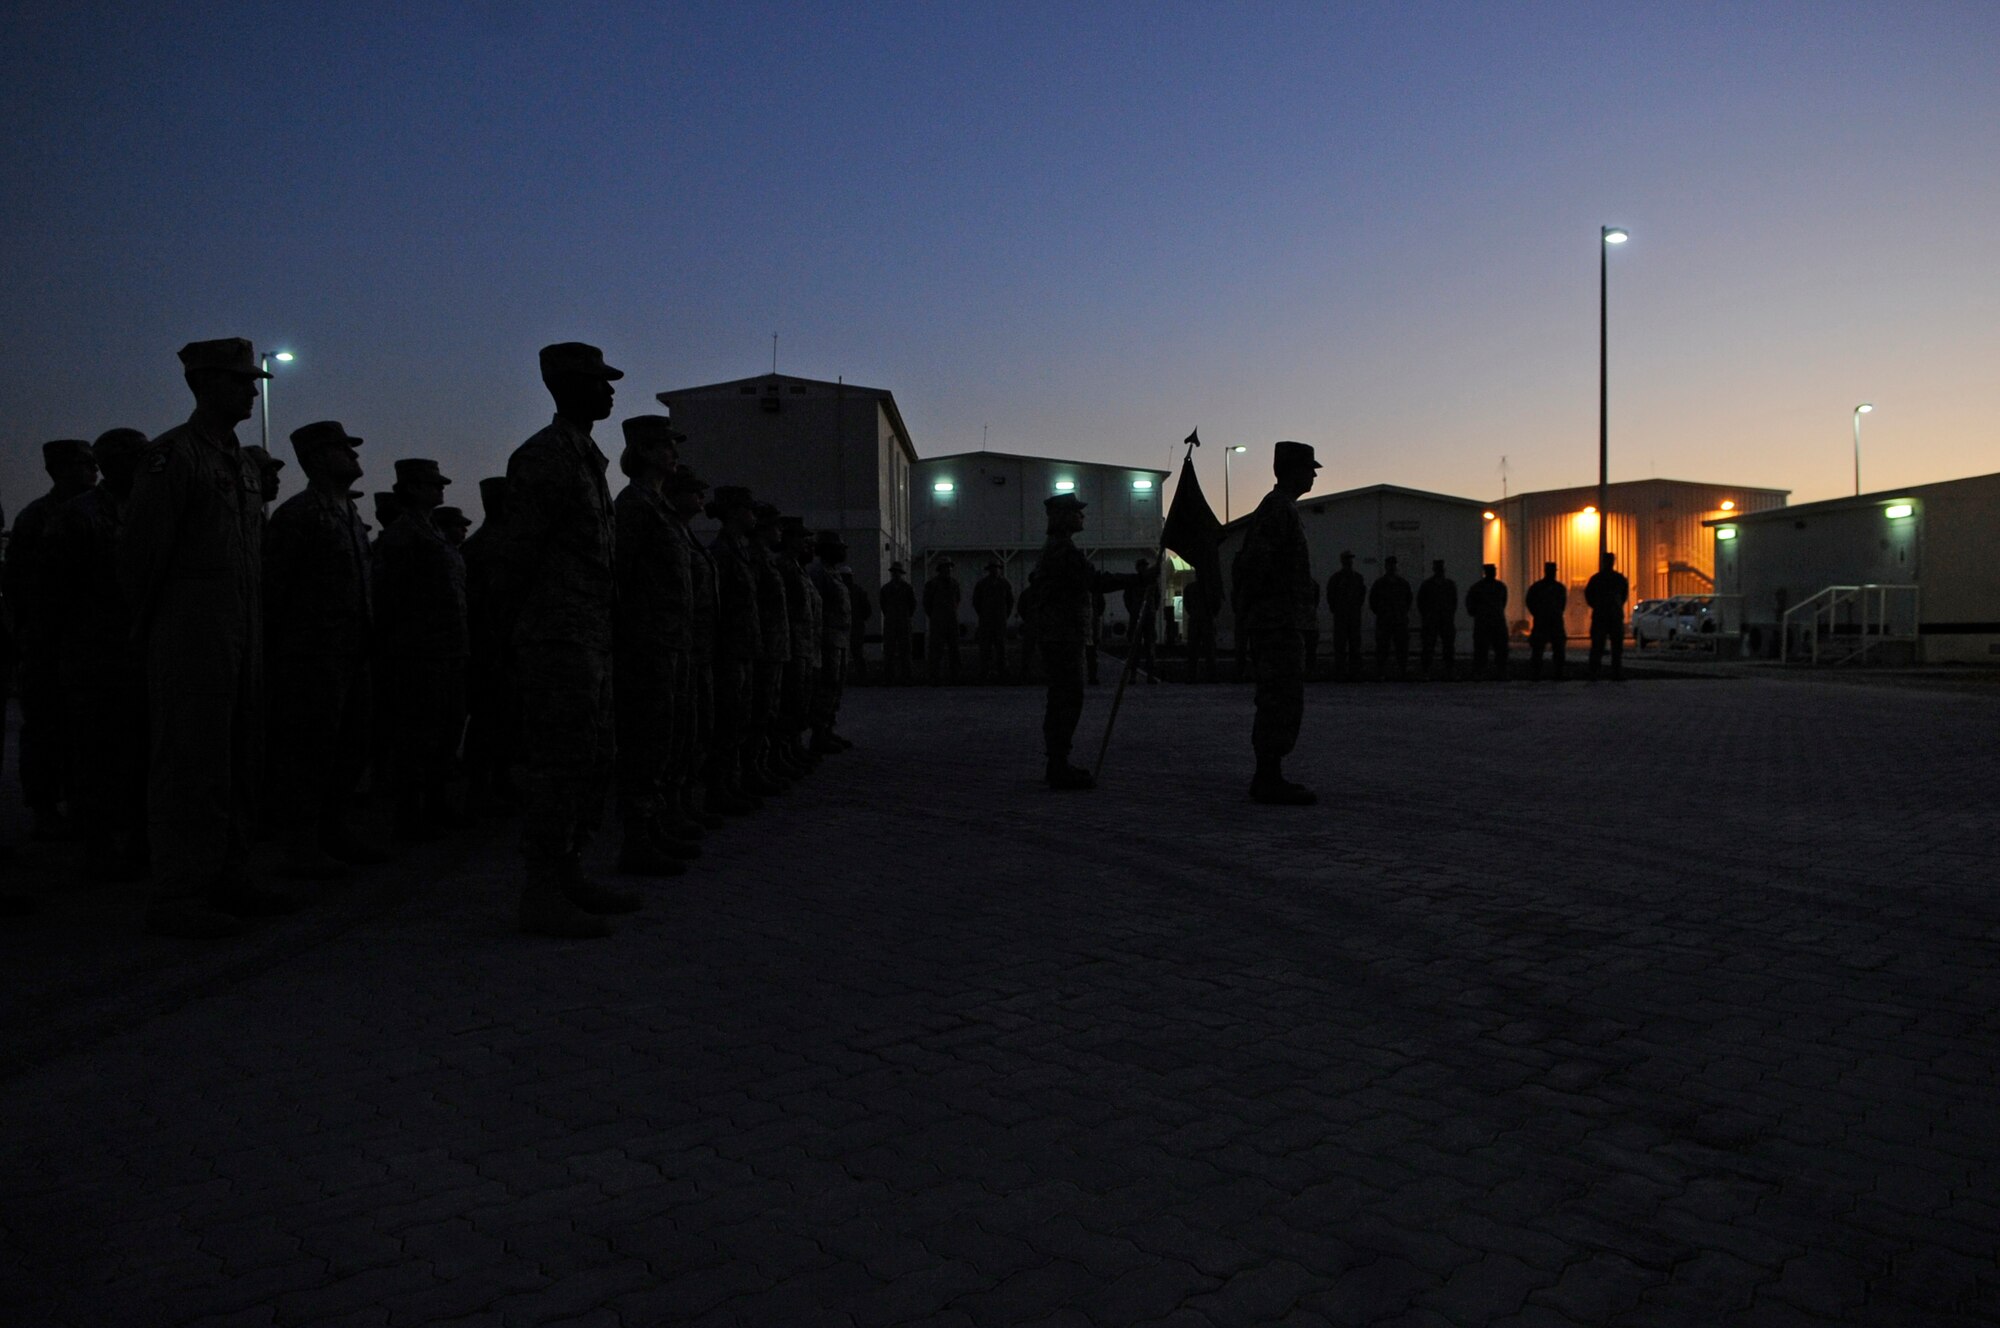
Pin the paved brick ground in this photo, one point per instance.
(1670, 1003)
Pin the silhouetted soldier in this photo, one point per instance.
(1097, 606)
(268, 467)
(650, 655)
(557, 554)
(992, 603)
(1198, 608)
(1389, 599)
(1486, 605)
(1141, 618)
(385, 514)
(191, 563)
(491, 719)
(738, 638)
(453, 525)
(1346, 596)
(829, 683)
(1547, 601)
(103, 675)
(1437, 619)
(1065, 581)
(319, 626)
(762, 777)
(899, 605)
(31, 595)
(1028, 608)
(1276, 597)
(1606, 593)
(807, 607)
(942, 597)
(687, 492)
(420, 615)
(860, 610)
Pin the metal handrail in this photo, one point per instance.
(1873, 601)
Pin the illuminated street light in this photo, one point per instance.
(1865, 408)
(264, 388)
(1227, 453)
(1606, 236)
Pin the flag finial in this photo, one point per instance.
(1193, 439)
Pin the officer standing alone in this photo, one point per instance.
(1277, 602)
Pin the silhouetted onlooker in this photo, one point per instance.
(1547, 601)
(1390, 599)
(1486, 605)
(1277, 602)
(1065, 581)
(992, 604)
(1346, 596)
(942, 597)
(1198, 609)
(1606, 593)
(1142, 603)
(1437, 619)
(899, 606)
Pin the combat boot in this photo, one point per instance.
(1270, 786)
(641, 854)
(546, 911)
(1065, 777)
(192, 920)
(694, 801)
(591, 897)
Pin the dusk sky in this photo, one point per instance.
(1373, 228)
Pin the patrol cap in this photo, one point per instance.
(1548, 569)
(767, 513)
(1063, 502)
(1291, 454)
(575, 357)
(684, 480)
(116, 442)
(493, 491)
(263, 458)
(60, 450)
(993, 564)
(230, 355)
(419, 470)
(322, 433)
(829, 540)
(652, 429)
(451, 516)
(943, 562)
(384, 501)
(898, 567)
(729, 498)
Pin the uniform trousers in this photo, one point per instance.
(422, 705)
(1489, 640)
(732, 718)
(1278, 663)
(490, 734)
(895, 652)
(992, 651)
(1549, 636)
(828, 686)
(205, 708)
(767, 690)
(43, 745)
(801, 677)
(1346, 645)
(650, 694)
(1607, 634)
(693, 739)
(1392, 638)
(320, 712)
(567, 746)
(1442, 638)
(1063, 662)
(106, 769)
(940, 644)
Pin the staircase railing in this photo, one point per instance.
(1842, 624)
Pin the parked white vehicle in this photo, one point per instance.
(1685, 620)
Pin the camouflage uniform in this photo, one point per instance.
(420, 613)
(942, 597)
(1066, 584)
(694, 740)
(1277, 601)
(653, 670)
(806, 604)
(192, 569)
(491, 705)
(739, 637)
(899, 605)
(556, 555)
(836, 629)
(31, 594)
(774, 617)
(319, 617)
(992, 603)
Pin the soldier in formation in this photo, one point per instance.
(1142, 603)
(1389, 599)
(1606, 593)
(1199, 610)
(1547, 602)
(1065, 582)
(942, 596)
(421, 624)
(1486, 605)
(899, 606)
(1437, 620)
(1346, 596)
(992, 604)
(1276, 600)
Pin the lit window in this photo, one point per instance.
(942, 486)
(1725, 532)
(1141, 486)
(1898, 511)
(1065, 486)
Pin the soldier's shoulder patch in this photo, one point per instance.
(156, 460)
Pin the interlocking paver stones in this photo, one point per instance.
(1659, 1003)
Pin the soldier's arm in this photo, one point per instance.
(152, 532)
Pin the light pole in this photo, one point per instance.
(264, 391)
(1606, 237)
(1228, 452)
(1860, 410)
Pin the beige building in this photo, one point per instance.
(836, 454)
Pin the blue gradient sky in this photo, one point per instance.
(1372, 228)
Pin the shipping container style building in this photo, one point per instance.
(835, 454)
(1904, 575)
(977, 507)
(1656, 527)
(1373, 523)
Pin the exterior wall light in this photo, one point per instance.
(1065, 486)
(1725, 532)
(942, 486)
(1728, 505)
(1898, 511)
(1142, 486)
(1488, 516)
(1590, 511)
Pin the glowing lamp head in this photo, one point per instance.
(1615, 235)
(1141, 485)
(1488, 516)
(1590, 511)
(1065, 486)
(1239, 449)
(286, 357)
(942, 486)
(1728, 505)
(1897, 511)
(1865, 408)
(1725, 532)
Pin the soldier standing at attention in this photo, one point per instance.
(738, 638)
(1346, 595)
(899, 605)
(489, 735)
(30, 588)
(767, 681)
(992, 603)
(1547, 601)
(860, 610)
(1198, 608)
(268, 467)
(385, 514)
(191, 563)
(942, 597)
(1028, 608)
(1276, 600)
(828, 576)
(1486, 604)
(319, 620)
(1064, 582)
(1389, 598)
(1606, 593)
(453, 525)
(557, 551)
(807, 607)
(420, 617)
(103, 675)
(649, 663)
(694, 740)
(1437, 620)
(1142, 619)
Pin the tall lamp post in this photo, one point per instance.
(1864, 408)
(1228, 452)
(1606, 237)
(264, 391)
